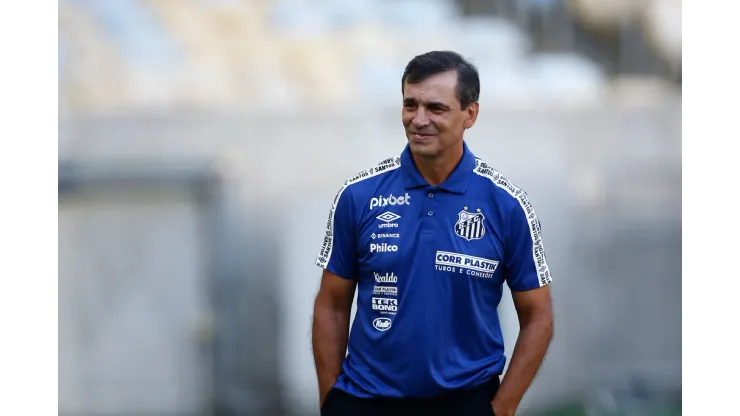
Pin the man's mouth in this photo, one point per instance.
(422, 136)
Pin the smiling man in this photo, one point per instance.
(428, 238)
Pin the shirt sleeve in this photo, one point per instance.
(526, 264)
(339, 249)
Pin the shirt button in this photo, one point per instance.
(430, 195)
(430, 212)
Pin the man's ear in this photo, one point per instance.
(471, 115)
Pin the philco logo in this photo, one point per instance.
(382, 324)
(383, 248)
(387, 278)
(381, 201)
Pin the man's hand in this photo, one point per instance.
(500, 409)
(326, 383)
(323, 394)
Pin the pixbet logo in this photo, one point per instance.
(383, 248)
(382, 201)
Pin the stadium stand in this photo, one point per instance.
(133, 54)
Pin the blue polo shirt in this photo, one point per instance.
(430, 262)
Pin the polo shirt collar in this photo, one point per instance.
(457, 182)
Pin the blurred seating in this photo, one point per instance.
(215, 39)
(662, 23)
(566, 79)
(92, 72)
(605, 16)
(642, 92)
(417, 15)
(262, 53)
(129, 26)
(494, 38)
(342, 14)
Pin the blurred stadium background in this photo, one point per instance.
(202, 141)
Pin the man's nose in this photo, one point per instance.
(420, 118)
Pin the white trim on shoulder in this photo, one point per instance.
(538, 250)
(385, 166)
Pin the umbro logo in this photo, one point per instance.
(388, 218)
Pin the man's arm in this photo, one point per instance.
(536, 322)
(331, 315)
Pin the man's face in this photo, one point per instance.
(432, 115)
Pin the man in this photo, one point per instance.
(428, 238)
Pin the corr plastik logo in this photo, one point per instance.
(385, 290)
(382, 324)
(382, 201)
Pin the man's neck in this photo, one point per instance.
(437, 169)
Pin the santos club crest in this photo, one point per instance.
(470, 225)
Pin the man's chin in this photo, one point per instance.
(423, 148)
